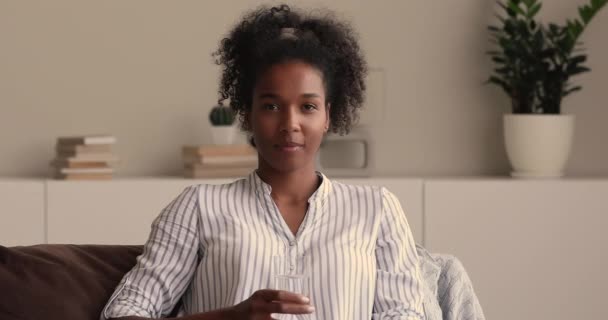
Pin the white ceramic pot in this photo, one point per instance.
(223, 134)
(538, 145)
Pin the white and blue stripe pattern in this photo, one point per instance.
(213, 245)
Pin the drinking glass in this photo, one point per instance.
(291, 274)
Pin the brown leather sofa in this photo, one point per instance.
(47, 282)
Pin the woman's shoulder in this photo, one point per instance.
(340, 187)
(217, 188)
(378, 193)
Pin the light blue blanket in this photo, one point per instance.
(449, 293)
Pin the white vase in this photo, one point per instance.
(538, 145)
(223, 134)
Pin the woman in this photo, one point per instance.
(291, 78)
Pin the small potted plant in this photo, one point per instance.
(222, 125)
(534, 64)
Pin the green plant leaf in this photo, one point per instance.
(514, 6)
(529, 3)
(585, 13)
(575, 28)
(547, 53)
(578, 59)
(539, 39)
(500, 18)
(502, 5)
(534, 10)
(509, 28)
(498, 60)
(598, 4)
(554, 28)
(501, 83)
(494, 29)
(571, 90)
(503, 70)
(576, 70)
(496, 80)
(533, 62)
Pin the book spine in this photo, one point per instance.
(86, 170)
(217, 173)
(213, 151)
(103, 176)
(223, 160)
(82, 149)
(84, 154)
(87, 158)
(90, 140)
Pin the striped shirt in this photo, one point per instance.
(212, 247)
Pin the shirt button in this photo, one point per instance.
(292, 243)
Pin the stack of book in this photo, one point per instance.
(87, 157)
(219, 161)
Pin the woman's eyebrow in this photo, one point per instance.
(275, 96)
(310, 95)
(267, 95)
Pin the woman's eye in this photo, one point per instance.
(271, 107)
(310, 107)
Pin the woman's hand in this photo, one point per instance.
(264, 302)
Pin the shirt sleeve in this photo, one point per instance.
(399, 294)
(165, 268)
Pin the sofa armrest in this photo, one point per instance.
(61, 281)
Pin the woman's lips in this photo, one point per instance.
(289, 147)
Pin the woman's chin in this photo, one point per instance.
(288, 166)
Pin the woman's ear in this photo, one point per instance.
(327, 118)
(247, 120)
(247, 127)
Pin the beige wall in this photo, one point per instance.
(141, 70)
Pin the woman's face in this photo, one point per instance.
(288, 117)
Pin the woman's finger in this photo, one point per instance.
(286, 308)
(280, 295)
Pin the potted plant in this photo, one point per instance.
(222, 125)
(534, 64)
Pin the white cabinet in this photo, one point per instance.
(534, 249)
(121, 211)
(117, 211)
(22, 216)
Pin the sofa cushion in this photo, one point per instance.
(60, 281)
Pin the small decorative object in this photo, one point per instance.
(534, 65)
(222, 125)
(351, 155)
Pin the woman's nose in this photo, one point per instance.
(290, 120)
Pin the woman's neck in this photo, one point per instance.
(293, 186)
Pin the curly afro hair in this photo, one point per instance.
(268, 36)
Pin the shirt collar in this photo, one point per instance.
(263, 188)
